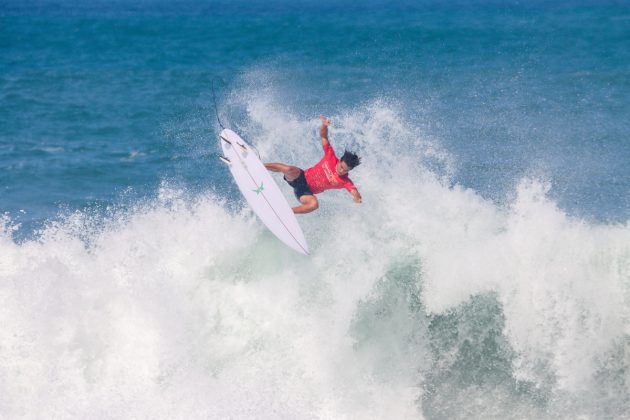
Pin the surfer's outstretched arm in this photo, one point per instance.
(323, 130)
(356, 196)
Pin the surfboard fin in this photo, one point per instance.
(242, 146)
(225, 160)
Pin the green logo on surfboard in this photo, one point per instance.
(259, 189)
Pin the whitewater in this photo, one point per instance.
(426, 301)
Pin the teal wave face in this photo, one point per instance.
(426, 301)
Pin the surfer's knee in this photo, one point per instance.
(292, 172)
(310, 201)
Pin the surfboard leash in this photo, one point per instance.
(216, 111)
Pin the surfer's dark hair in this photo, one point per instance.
(351, 159)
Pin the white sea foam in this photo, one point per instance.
(187, 308)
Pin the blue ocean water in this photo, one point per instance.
(486, 274)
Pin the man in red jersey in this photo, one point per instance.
(328, 173)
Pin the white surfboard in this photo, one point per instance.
(261, 191)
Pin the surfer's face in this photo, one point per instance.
(342, 168)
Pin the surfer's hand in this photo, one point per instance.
(356, 197)
(325, 121)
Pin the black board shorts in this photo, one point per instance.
(300, 187)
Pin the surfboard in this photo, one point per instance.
(261, 192)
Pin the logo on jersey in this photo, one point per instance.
(329, 174)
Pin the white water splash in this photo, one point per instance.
(186, 308)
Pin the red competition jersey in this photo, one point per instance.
(323, 176)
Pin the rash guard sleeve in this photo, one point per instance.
(348, 184)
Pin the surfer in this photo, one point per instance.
(329, 173)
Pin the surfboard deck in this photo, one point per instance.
(261, 192)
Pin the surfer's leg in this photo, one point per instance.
(309, 204)
(290, 172)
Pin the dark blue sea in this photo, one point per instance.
(485, 275)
